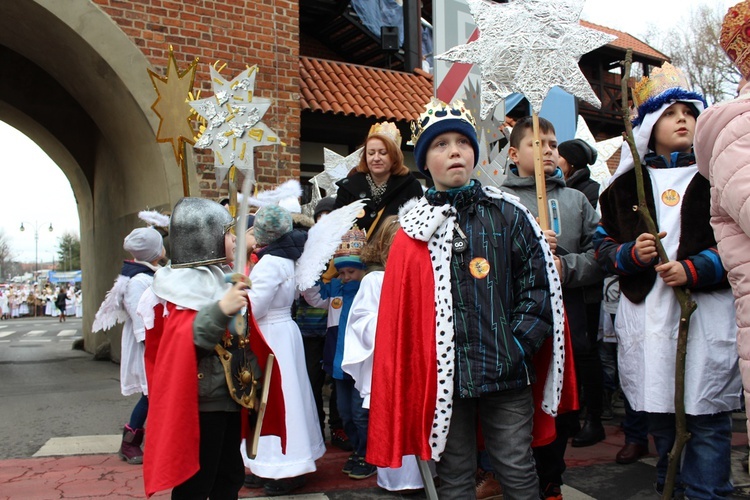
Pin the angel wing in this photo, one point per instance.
(112, 310)
(322, 241)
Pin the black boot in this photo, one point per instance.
(592, 433)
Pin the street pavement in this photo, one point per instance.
(62, 413)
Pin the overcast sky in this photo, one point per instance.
(34, 190)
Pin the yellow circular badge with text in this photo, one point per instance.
(479, 267)
(337, 303)
(670, 197)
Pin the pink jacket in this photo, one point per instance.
(722, 148)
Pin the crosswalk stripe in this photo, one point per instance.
(35, 333)
(3, 326)
(67, 333)
(6, 333)
(35, 340)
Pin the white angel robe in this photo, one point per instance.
(271, 298)
(359, 347)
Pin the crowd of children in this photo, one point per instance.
(18, 301)
(462, 362)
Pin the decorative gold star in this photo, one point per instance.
(529, 46)
(171, 105)
(233, 127)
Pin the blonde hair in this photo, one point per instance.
(394, 152)
(376, 250)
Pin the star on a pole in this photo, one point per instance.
(171, 105)
(335, 168)
(233, 127)
(529, 46)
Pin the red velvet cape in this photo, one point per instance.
(404, 376)
(171, 454)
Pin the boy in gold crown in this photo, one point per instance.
(472, 295)
(648, 315)
(338, 296)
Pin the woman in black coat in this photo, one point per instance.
(575, 158)
(381, 177)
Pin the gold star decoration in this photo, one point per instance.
(529, 46)
(171, 105)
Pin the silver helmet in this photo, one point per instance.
(196, 232)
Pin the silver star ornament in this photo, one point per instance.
(529, 46)
(335, 168)
(233, 127)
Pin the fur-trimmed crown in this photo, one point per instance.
(387, 129)
(436, 111)
(735, 36)
(661, 79)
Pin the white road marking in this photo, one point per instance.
(67, 333)
(35, 333)
(5, 334)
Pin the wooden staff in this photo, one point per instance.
(183, 166)
(541, 183)
(687, 305)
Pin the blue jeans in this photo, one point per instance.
(635, 425)
(140, 411)
(506, 419)
(354, 417)
(705, 470)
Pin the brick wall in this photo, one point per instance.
(239, 33)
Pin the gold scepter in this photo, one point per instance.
(687, 304)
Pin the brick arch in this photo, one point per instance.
(77, 85)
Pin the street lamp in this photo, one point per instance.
(36, 245)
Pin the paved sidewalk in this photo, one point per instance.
(592, 473)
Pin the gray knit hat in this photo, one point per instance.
(144, 244)
(271, 223)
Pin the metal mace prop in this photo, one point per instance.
(687, 304)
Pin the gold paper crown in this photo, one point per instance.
(735, 36)
(436, 111)
(661, 79)
(388, 129)
(352, 243)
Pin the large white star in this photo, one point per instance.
(233, 127)
(335, 168)
(529, 46)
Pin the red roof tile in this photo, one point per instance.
(348, 89)
(625, 41)
(352, 90)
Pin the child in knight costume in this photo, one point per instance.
(146, 246)
(201, 372)
(648, 315)
(470, 279)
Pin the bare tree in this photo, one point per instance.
(6, 256)
(694, 47)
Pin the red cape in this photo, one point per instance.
(171, 455)
(404, 375)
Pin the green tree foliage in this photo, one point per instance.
(69, 252)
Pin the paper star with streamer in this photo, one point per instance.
(529, 46)
(233, 127)
(335, 168)
(171, 105)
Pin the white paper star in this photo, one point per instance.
(604, 151)
(335, 168)
(529, 46)
(233, 127)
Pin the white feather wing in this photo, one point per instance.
(112, 310)
(322, 241)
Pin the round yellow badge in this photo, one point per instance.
(479, 267)
(337, 303)
(670, 197)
